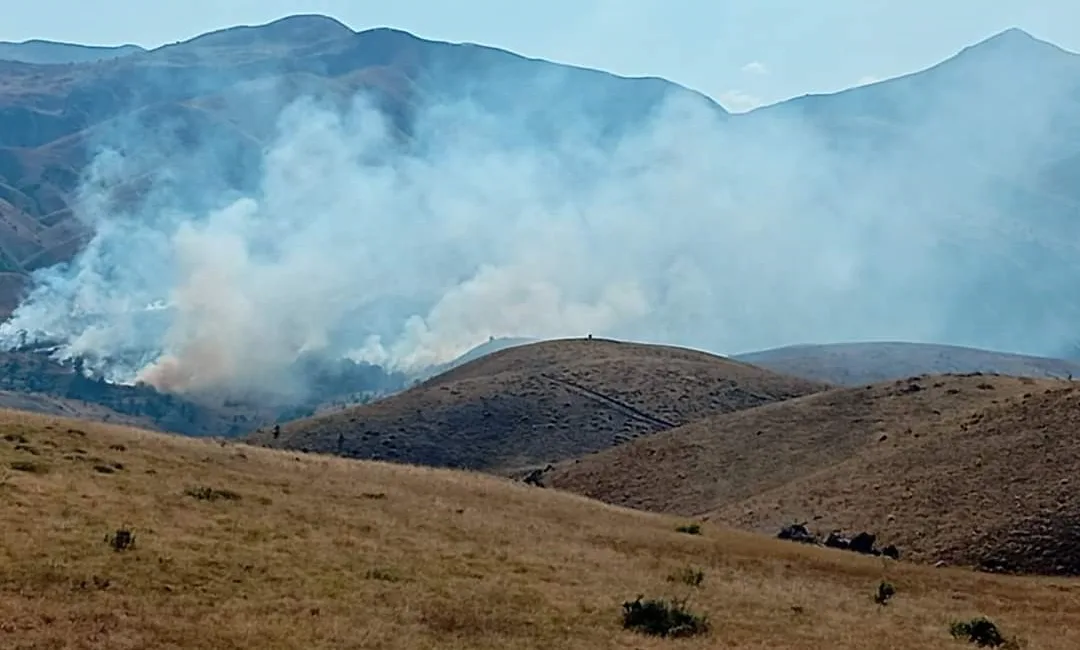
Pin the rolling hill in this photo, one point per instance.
(538, 403)
(852, 364)
(959, 469)
(239, 547)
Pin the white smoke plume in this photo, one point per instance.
(697, 229)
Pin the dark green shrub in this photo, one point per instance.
(122, 540)
(662, 618)
(689, 529)
(980, 631)
(885, 592)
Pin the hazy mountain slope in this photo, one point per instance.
(52, 52)
(949, 468)
(514, 197)
(230, 86)
(350, 554)
(852, 364)
(540, 403)
(492, 346)
(978, 154)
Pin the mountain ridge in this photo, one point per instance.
(52, 126)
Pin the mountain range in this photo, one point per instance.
(230, 86)
(969, 166)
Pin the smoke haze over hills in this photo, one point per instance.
(938, 207)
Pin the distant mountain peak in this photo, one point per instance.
(1014, 40)
(305, 22)
(297, 28)
(1014, 33)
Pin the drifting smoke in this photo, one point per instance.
(695, 228)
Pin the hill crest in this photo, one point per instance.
(941, 466)
(541, 402)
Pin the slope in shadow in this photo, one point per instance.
(995, 489)
(973, 470)
(541, 403)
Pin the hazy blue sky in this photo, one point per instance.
(742, 52)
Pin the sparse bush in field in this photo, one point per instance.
(29, 466)
(688, 576)
(374, 496)
(211, 494)
(885, 592)
(96, 582)
(382, 575)
(122, 540)
(689, 529)
(980, 631)
(662, 618)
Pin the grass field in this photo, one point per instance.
(241, 547)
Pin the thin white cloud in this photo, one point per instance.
(739, 101)
(755, 68)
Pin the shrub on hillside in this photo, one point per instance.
(980, 631)
(885, 592)
(688, 576)
(29, 466)
(122, 540)
(662, 618)
(689, 529)
(211, 494)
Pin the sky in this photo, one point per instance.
(743, 53)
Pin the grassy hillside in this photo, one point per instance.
(853, 364)
(540, 403)
(993, 488)
(941, 466)
(238, 547)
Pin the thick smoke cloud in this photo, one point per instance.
(728, 234)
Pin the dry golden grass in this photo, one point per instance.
(993, 488)
(542, 402)
(936, 465)
(332, 553)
